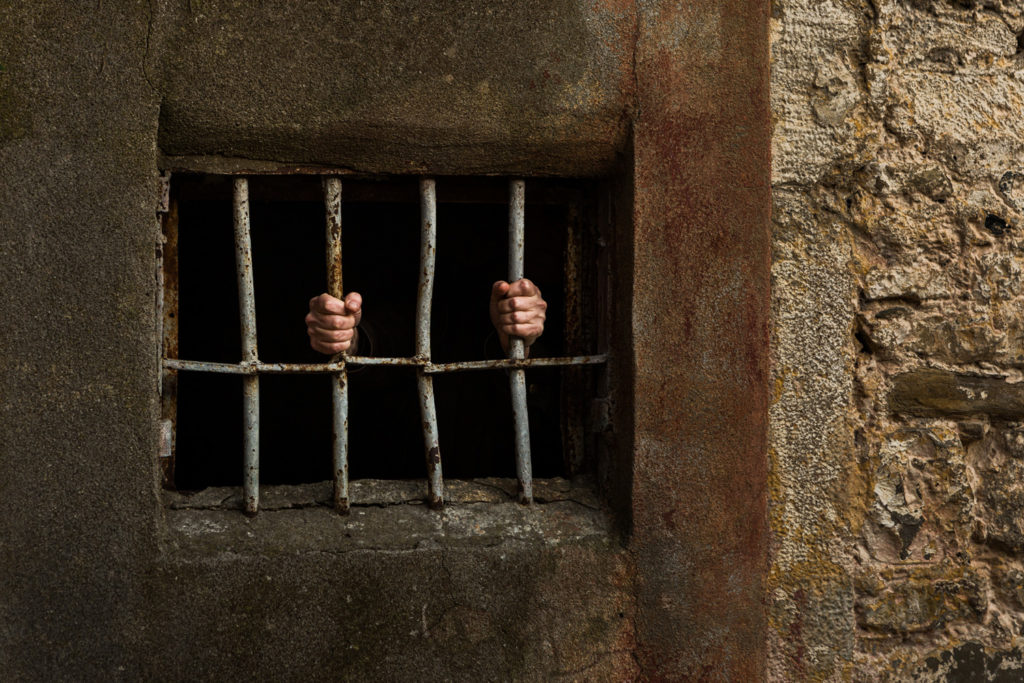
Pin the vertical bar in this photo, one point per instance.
(428, 250)
(516, 249)
(572, 377)
(250, 383)
(168, 303)
(339, 380)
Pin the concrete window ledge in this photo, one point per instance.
(386, 515)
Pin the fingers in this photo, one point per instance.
(325, 304)
(518, 309)
(528, 331)
(522, 303)
(523, 287)
(498, 290)
(331, 322)
(353, 302)
(331, 336)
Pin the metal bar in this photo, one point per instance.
(517, 378)
(286, 368)
(339, 382)
(428, 250)
(514, 363)
(572, 379)
(167, 292)
(250, 384)
(372, 360)
(428, 367)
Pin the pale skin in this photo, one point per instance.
(517, 310)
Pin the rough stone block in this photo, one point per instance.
(922, 600)
(935, 393)
(967, 335)
(921, 508)
(917, 282)
(972, 662)
(999, 489)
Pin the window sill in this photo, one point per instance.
(385, 515)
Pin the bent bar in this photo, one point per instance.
(339, 381)
(428, 249)
(517, 378)
(250, 384)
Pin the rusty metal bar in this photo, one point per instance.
(167, 304)
(572, 379)
(372, 360)
(339, 381)
(290, 368)
(428, 367)
(517, 378)
(428, 250)
(514, 363)
(250, 384)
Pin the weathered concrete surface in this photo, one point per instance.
(102, 581)
(77, 182)
(479, 591)
(700, 284)
(897, 341)
(400, 85)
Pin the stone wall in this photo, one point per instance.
(897, 418)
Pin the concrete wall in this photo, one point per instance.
(104, 579)
(896, 481)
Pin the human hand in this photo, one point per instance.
(517, 310)
(331, 323)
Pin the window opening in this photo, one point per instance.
(227, 317)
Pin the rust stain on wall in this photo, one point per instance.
(700, 321)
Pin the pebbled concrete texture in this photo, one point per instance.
(105, 579)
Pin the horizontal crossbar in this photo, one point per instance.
(428, 367)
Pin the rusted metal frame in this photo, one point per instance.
(167, 319)
(424, 298)
(517, 377)
(572, 378)
(598, 250)
(339, 379)
(250, 354)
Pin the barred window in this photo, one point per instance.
(428, 394)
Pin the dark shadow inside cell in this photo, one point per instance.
(381, 233)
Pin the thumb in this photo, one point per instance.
(354, 302)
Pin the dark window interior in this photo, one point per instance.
(380, 260)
